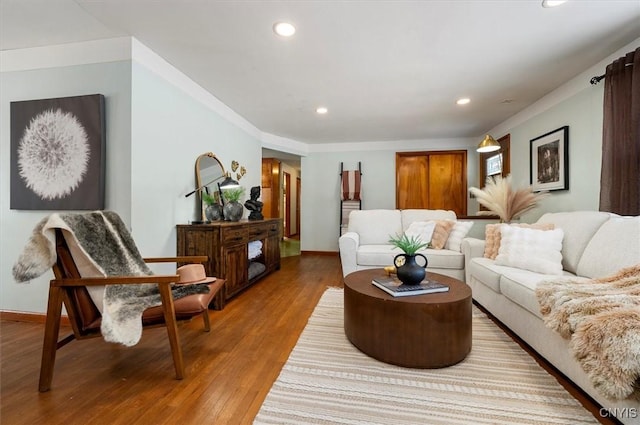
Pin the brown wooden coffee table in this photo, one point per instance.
(419, 331)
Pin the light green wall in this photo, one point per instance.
(113, 80)
(583, 114)
(155, 131)
(170, 129)
(320, 214)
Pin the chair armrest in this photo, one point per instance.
(180, 259)
(348, 244)
(115, 280)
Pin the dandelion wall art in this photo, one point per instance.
(57, 153)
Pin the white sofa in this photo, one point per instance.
(366, 245)
(595, 244)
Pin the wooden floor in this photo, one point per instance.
(229, 371)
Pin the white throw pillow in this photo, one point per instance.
(421, 229)
(531, 249)
(459, 231)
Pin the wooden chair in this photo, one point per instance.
(85, 318)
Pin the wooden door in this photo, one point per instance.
(287, 204)
(298, 192)
(432, 180)
(270, 192)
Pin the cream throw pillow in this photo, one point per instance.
(421, 229)
(441, 233)
(492, 236)
(531, 249)
(459, 231)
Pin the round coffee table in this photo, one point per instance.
(419, 331)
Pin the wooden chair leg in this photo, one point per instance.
(205, 318)
(172, 328)
(51, 332)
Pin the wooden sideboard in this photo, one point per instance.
(226, 243)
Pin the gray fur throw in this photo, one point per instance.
(601, 317)
(107, 249)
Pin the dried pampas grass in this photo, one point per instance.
(500, 199)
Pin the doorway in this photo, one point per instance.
(281, 191)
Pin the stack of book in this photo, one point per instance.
(393, 286)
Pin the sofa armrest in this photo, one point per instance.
(348, 244)
(471, 248)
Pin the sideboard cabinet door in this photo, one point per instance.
(226, 245)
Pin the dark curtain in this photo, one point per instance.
(620, 175)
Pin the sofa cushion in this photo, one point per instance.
(615, 245)
(422, 230)
(531, 249)
(441, 233)
(409, 216)
(376, 255)
(520, 285)
(375, 226)
(485, 271)
(459, 231)
(579, 227)
(493, 236)
(383, 255)
(443, 259)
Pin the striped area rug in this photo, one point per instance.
(326, 380)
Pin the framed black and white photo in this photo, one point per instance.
(549, 160)
(58, 153)
(494, 165)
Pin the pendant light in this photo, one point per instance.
(489, 144)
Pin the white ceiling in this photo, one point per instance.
(387, 70)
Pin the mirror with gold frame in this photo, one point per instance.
(208, 171)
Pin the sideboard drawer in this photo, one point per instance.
(235, 235)
(257, 233)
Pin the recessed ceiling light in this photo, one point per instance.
(284, 29)
(552, 3)
(463, 101)
(321, 110)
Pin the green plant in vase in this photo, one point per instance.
(213, 211)
(233, 194)
(408, 270)
(232, 209)
(408, 245)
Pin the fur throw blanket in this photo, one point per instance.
(107, 249)
(602, 319)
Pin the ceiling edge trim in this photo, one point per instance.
(158, 65)
(283, 144)
(70, 54)
(397, 145)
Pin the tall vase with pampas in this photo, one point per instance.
(502, 200)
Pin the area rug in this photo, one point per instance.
(326, 380)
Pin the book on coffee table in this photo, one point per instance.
(393, 286)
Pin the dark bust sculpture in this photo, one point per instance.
(254, 205)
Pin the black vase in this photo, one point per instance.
(410, 273)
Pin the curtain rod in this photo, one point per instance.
(596, 80)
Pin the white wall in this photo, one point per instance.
(113, 80)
